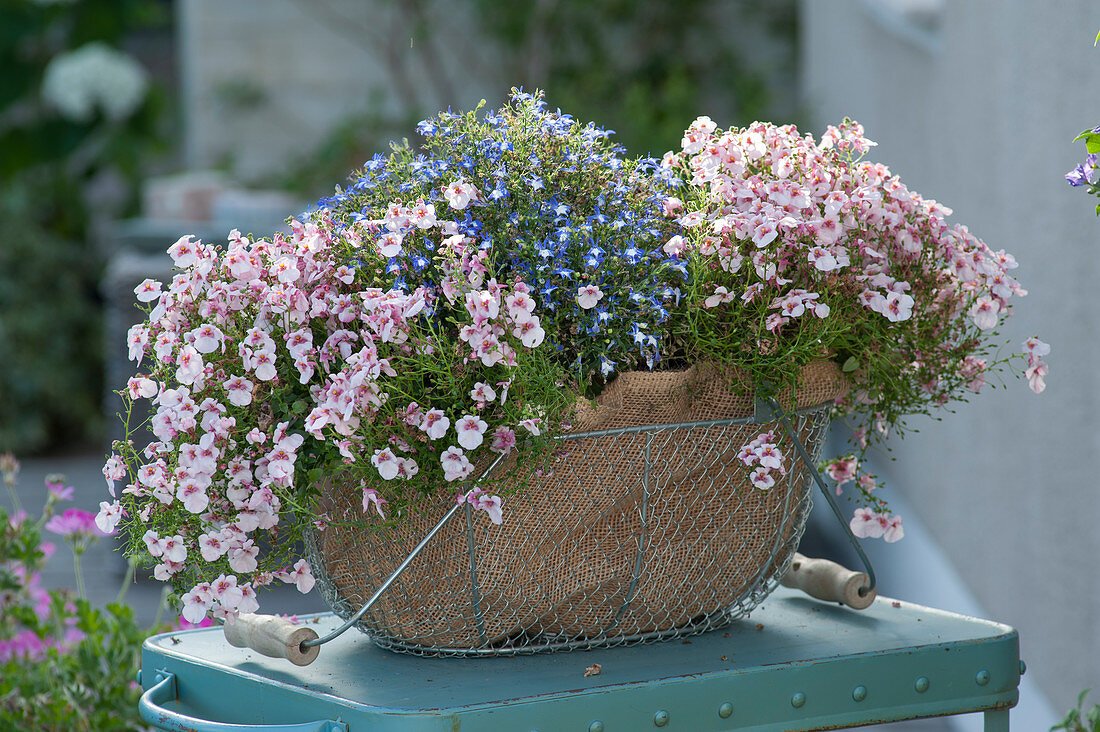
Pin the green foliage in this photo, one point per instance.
(50, 331)
(53, 173)
(64, 665)
(643, 68)
(646, 69)
(1078, 720)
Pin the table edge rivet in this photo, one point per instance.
(596, 726)
(725, 711)
(921, 684)
(982, 677)
(660, 719)
(798, 699)
(859, 693)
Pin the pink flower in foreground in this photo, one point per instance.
(74, 522)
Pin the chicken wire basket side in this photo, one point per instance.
(633, 535)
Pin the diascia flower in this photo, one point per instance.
(903, 300)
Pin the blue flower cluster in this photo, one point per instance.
(559, 206)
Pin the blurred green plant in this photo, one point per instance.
(645, 68)
(1078, 720)
(64, 664)
(79, 120)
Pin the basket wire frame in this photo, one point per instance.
(639, 566)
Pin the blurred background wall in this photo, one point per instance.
(975, 104)
(124, 124)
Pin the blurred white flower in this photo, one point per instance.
(94, 75)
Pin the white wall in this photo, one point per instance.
(980, 115)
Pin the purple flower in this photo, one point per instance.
(74, 522)
(59, 490)
(1077, 177)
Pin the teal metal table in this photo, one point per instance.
(795, 664)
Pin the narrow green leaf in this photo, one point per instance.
(853, 363)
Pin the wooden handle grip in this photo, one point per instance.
(272, 636)
(828, 581)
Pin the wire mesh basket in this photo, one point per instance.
(633, 534)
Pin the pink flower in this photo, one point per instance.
(174, 549)
(762, 478)
(389, 245)
(459, 194)
(141, 387)
(892, 530)
(148, 291)
(504, 439)
(226, 592)
(108, 517)
(866, 525)
(190, 365)
(74, 522)
(1035, 347)
(435, 423)
(243, 558)
(184, 253)
(207, 338)
(588, 296)
(386, 463)
(193, 495)
(211, 547)
(239, 390)
(371, 498)
(984, 312)
(196, 603)
(721, 295)
(482, 392)
(471, 430)
(842, 470)
(456, 466)
(1036, 375)
(531, 425)
(529, 332)
(300, 576)
(675, 246)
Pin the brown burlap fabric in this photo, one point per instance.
(632, 533)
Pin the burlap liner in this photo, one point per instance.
(599, 545)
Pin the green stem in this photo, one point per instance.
(163, 603)
(16, 506)
(131, 568)
(79, 574)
